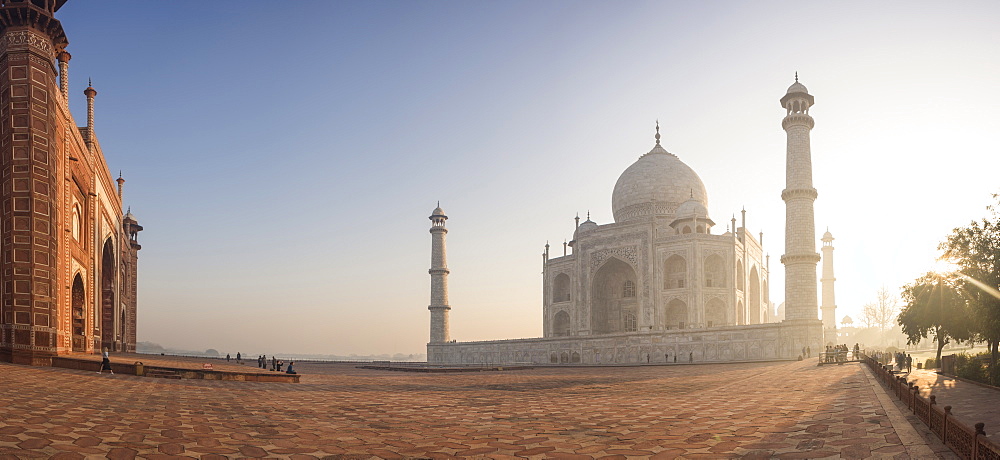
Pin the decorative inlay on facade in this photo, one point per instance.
(628, 254)
(648, 209)
(19, 39)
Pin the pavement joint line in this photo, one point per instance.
(915, 445)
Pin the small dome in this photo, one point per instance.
(437, 216)
(129, 216)
(797, 88)
(655, 185)
(691, 208)
(586, 226)
(828, 236)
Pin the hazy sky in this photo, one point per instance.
(283, 157)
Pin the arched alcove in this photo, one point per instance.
(560, 324)
(675, 272)
(715, 313)
(753, 297)
(715, 271)
(740, 276)
(108, 296)
(676, 314)
(609, 300)
(560, 288)
(79, 302)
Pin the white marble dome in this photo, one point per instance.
(585, 226)
(797, 88)
(655, 186)
(692, 208)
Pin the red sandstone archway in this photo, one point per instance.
(108, 296)
(79, 300)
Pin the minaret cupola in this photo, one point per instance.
(797, 102)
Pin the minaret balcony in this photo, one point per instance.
(798, 119)
(789, 194)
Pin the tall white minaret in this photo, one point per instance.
(800, 256)
(828, 306)
(439, 278)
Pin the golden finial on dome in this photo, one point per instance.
(657, 132)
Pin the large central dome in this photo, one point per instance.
(654, 186)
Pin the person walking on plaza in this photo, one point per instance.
(238, 358)
(106, 363)
(274, 362)
(227, 357)
(909, 363)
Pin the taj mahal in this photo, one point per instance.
(663, 283)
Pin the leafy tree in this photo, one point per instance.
(936, 305)
(976, 250)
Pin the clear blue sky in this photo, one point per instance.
(284, 156)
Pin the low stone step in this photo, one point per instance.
(162, 374)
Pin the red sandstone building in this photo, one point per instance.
(69, 253)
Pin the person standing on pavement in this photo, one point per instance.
(106, 363)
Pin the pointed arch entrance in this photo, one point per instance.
(614, 297)
(715, 313)
(78, 305)
(108, 296)
(560, 325)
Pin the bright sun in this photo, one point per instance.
(943, 265)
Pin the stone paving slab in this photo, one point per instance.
(753, 410)
(969, 402)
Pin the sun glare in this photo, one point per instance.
(942, 266)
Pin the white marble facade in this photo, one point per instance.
(658, 284)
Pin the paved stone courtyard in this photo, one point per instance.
(759, 410)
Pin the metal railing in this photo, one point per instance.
(969, 443)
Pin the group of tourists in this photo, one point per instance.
(838, 353)
(899, 360)
(276, 364)
(903, 360)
